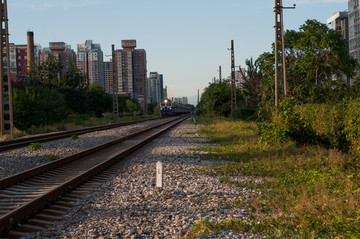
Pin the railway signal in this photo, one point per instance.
(6, 111)
(280, 67)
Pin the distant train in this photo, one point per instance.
(168, 108)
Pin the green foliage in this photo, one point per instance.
(75, 99)
(216, 100)
(352, 125)
(133, 106)
(156, 110)
(318, 65)
(285, 126)
(74, 78)
(326, 121)
(74, 137)
(35, 146)
(37, 106)
(47, 73)
(332, 126)
(98, 101)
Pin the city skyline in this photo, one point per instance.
(186, 41)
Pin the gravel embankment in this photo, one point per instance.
(129, 205)
(18, 160)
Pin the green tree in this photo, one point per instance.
(47, 73)
(38, 106)
(317, 62)
(216, 100)
(98, 101)
(74, 78)
(133, 106)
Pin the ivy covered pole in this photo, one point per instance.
(280, 67)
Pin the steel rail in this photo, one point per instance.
(27, 208)
(22, 142)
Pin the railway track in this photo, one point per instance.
(27, 193)
(21, 142)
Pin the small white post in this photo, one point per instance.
(159, 174)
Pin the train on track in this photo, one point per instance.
(171, 108)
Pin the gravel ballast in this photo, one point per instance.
(130, 206)
(18, 160)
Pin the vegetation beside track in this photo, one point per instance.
(307, 192)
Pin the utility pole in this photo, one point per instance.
(198, 98)
(280, 67)
(220, 74)
(233, 86)
(6, 111)
(115, 88)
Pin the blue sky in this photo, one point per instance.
(186, 40)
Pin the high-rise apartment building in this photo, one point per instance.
(90, 60)
(154, 87)
(61, 51)
(156, 91)
(130, 68)
(108, 72)
(340, 23)
(354, 26)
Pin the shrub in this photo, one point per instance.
(352, 126)
(38, 106)
(332, 126)
(286, 125)
(74, 137)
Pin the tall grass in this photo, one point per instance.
(309, 191)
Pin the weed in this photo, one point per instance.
(50, 158)
(35, 146)
(74, 137)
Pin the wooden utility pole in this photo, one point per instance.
(233, 86)
(280, 66)
(115, 88)
(6, 111)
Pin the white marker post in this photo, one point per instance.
(159, 174)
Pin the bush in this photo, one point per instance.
(286, 125)
(40, 106)
(352, 126)
(246, 114)
(332, 126)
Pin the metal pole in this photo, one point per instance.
(7, 122)
(233, 86)
(220, 74)
(115, 89)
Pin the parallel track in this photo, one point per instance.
(26, 193)
(21, 142)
